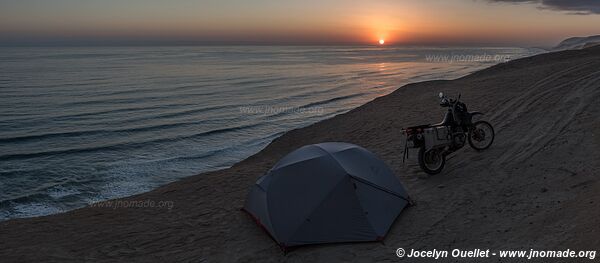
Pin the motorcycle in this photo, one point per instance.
(436, 141)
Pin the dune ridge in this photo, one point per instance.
(536, 187)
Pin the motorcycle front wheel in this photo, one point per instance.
(431, 161)
(481, 136)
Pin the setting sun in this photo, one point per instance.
(381, 42)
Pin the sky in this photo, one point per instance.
(436, 22)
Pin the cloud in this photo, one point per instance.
(574, 6)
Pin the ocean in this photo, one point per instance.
(83, 124)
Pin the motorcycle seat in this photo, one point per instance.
(437, 124)
(445, 122)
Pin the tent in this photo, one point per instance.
(326, 193)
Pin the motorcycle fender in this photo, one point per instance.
(476, 113)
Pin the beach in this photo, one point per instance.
(535, 188)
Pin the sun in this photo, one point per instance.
(381, 42)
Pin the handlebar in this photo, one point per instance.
(447, 102)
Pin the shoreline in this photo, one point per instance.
(173, 137)
(205, 223)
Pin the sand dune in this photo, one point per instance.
(536, 187)
(577, 43)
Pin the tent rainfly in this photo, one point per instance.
(327, 193)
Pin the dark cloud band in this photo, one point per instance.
(576, 6)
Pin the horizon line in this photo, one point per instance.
(195, 43)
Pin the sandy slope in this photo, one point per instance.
(537, 187)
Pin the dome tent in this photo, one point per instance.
(327, 193)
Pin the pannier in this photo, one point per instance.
(437, 136)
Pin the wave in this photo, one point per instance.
(327, 101)
(123, 145)
(48, 197)
(44, 136)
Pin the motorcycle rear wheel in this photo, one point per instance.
(431, 161)
(481, 136)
